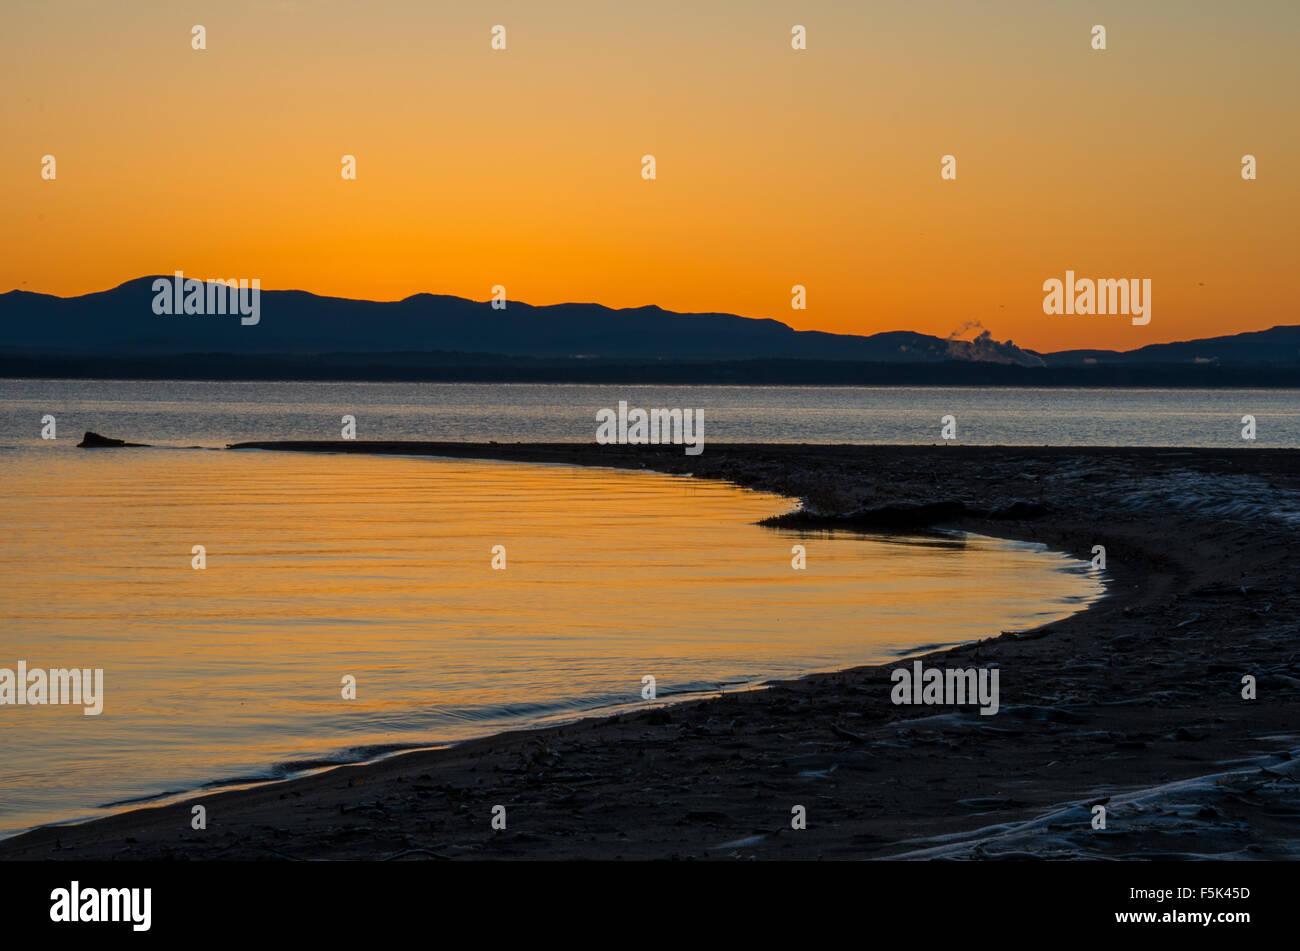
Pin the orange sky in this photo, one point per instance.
(775, 167)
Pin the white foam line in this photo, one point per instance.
(958, 843)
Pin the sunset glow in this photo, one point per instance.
(775, 167)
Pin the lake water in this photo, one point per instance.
(320, 567)
(187, 413)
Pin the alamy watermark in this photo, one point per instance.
(76, 904)
(1102, 297)
(639, 427)
(184, 296)
(938, 685)
(56, 686)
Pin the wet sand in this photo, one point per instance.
(1134, 703)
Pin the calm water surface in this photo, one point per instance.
(213, 413)
(321, 566)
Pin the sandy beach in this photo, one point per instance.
(1134, 703)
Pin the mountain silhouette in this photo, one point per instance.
(122, 321)
(304, 330)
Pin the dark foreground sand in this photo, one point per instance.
(1135, 702)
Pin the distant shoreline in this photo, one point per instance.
(478, 368)
(1134, 701)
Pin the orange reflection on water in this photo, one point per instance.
(321, 566)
